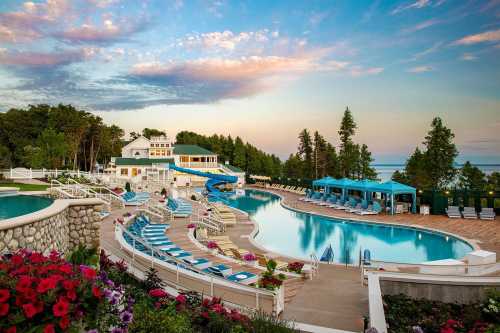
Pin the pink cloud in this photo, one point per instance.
(421, 69)
(421, 26)
(357, 71)
(39, 60)
(108, 32)
(488, 36)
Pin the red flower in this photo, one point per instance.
(96, 291)
(16, 260)
(64, 322)
(49, 328)
(157, 293)
(54, 255)
(4, 295)
(29, 310)
(66, 268)
(70, 284)
(181, 299)
(204, 314)
(29, 295)
(88, 273)
(4, 309)
(37, 258)
(24, 283)
(11, 329)
(61, 308)
(46, 284)
(71, 295)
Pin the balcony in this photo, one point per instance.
(198, 165)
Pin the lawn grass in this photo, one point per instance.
(26, 187)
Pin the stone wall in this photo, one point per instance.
(62, 226)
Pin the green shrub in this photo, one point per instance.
(84, 256)
(127, 187)
(264, 323)
(149, 319)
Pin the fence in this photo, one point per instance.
(440, 200)
(23, 173)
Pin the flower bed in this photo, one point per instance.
(50, 294)
(404, 314)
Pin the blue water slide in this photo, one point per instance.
(213, 179)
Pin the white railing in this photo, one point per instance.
(193, 272)
(198, 164)
(458, 269)
(24, 173)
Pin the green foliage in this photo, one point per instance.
(149, 132)
(48, 136)
(440, 154)
(153, 281)
(347, 128)
(493, 181)
(242, 155)
(305, 152)
(127, 187)
(5, 158)
(264, 323)
(471, 178)
(402, 313)
(164, 320)
(26, 187)
(84, 256)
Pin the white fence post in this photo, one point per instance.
(31, 173)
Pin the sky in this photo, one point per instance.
(264, 70)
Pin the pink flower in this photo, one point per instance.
(181, 299)
(158, 293)
(212, 245)
(249, 257)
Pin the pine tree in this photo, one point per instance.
(365, 160)
(306, 153)
(440, 154)
(347, 148)
(239, 159)
(320, 157)
(471, 178)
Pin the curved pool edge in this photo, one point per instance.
(251, 237)
(53, 209)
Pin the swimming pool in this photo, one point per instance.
(299, 235)
(17, 205)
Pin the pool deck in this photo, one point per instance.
(483, 233)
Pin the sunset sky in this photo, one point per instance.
(264, 70)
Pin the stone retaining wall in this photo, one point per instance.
(62, 226)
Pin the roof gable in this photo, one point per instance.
(142, 140)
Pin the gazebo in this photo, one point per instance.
(367, 187)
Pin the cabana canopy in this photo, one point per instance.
(390, 188)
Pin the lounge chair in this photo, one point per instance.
(307, 196)
(243, 277)
(469, 213)
(324, 200)
(373, 209)
(453, 212)
(487, 214)
(318, 199)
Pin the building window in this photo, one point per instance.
(124, 171)
(162, 145)
(152, 145)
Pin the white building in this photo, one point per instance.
(146, 159)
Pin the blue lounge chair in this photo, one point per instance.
(243, 277)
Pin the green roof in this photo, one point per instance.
(233, 168)
(142, 161)
(191, 150)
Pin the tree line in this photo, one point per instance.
(433, 167)
(238, 153)
(317, 158)
(61, 136)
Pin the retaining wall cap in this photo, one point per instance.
(57, 207)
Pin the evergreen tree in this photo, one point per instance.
(440, 154)
(471, 178)
(365, 160)
(348, 150)
(149, 132)
(400, 177)
(320, 156)
(415, 173)
(5, 161)
(332, 162)
(494, 181)
(306, 153)
(51, 149)
(239, 159)
(293, 167)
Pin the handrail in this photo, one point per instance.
(213, 278)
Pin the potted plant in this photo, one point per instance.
(269, 280)
(250, 259)
(295, 267)
(211, 245)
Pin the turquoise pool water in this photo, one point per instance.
(300, 234)
(18, 205)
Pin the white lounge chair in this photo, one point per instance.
(487, 214)
(453, 212)
(469, 213)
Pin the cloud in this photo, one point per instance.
(421, 26)
(434, 48)
(227, 40)
(317, 17)
(107, 33)
(488, 36)
(414, 5)
(421, 69)
(38, 59)
(103, 3)
(357, 71)
(468, 57)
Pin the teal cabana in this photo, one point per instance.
(392, 188)
(368, 187)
